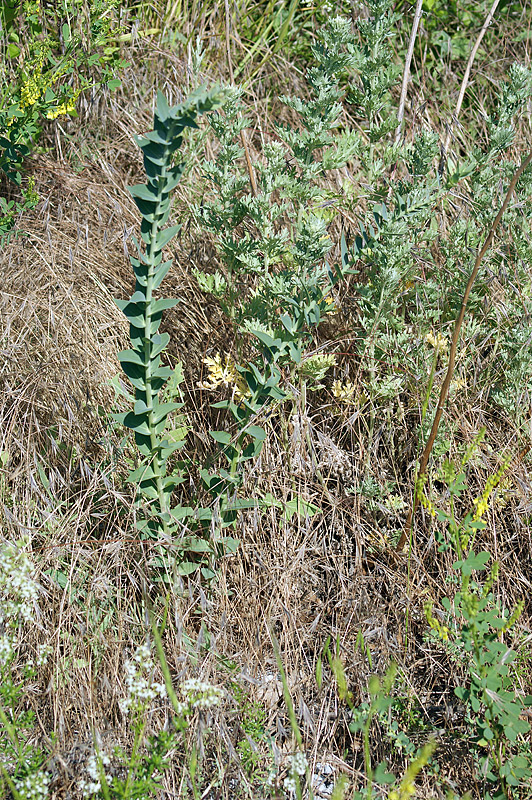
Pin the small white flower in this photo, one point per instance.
(201, 695)
(6, 650)
(18, 590)
(289, 785)
(33, 787)
(299, 764)
(43, 651)
(141, 689)
(90, 787)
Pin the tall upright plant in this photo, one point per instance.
(142, 362)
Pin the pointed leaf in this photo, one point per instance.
(131, 357)
(143, 192)
(163, 304)
(161, 410)
(137, 423)
(256, 432)
(159, 342)
(181, 512)
(144, 472)
(163, 237)
(162, 110)
(186, 568)
(161, 273)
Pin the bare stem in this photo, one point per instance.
(406, 74)
(465, 81)
(454, 345)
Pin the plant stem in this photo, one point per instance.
(454, 346)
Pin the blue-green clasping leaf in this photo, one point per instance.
(163, 110)
(148, 209)
(137, 423)
(144, 472)
(156, 153)
(159, 342)
(222, 437)
(144, 192)
(165, 236)
(161, 410)
(131, 356)
(256, 432)
(161, 273)
(186, 568)
(151, 136)
(163, 305)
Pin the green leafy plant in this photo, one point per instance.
(378, 707)
(50, 56)
(273, 242)
(142, 363)
(19, 592)
(475, 628)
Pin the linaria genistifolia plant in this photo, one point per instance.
(142, 363)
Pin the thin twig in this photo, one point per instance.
(243, 137)
(406, 74)
(454, 344)
(465, 81)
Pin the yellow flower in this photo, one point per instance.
(344, 392)
(332, 307)
(224, 374)
(437, 341)
(30, 92)
(65, 108)
(457, 384)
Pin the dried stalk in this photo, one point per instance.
(406, 74)
(454, 344)
(243, 137)
(465, 81)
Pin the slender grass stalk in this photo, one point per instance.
(454, 346)
(465, 82)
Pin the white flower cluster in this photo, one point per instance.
(6, 649)
(93, 785)
(43, 651)
(298, 768)
(18, 590)
(200, 695)
(33, 787)
(141, 688)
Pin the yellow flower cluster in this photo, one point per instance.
(437, 341)
(224, 374)
(65, 108)
(331, 308)
(30, 92)
(482, 502)
(427, 503)
(442, 630)
(344, 392)
(407, 787)
(34, 86)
